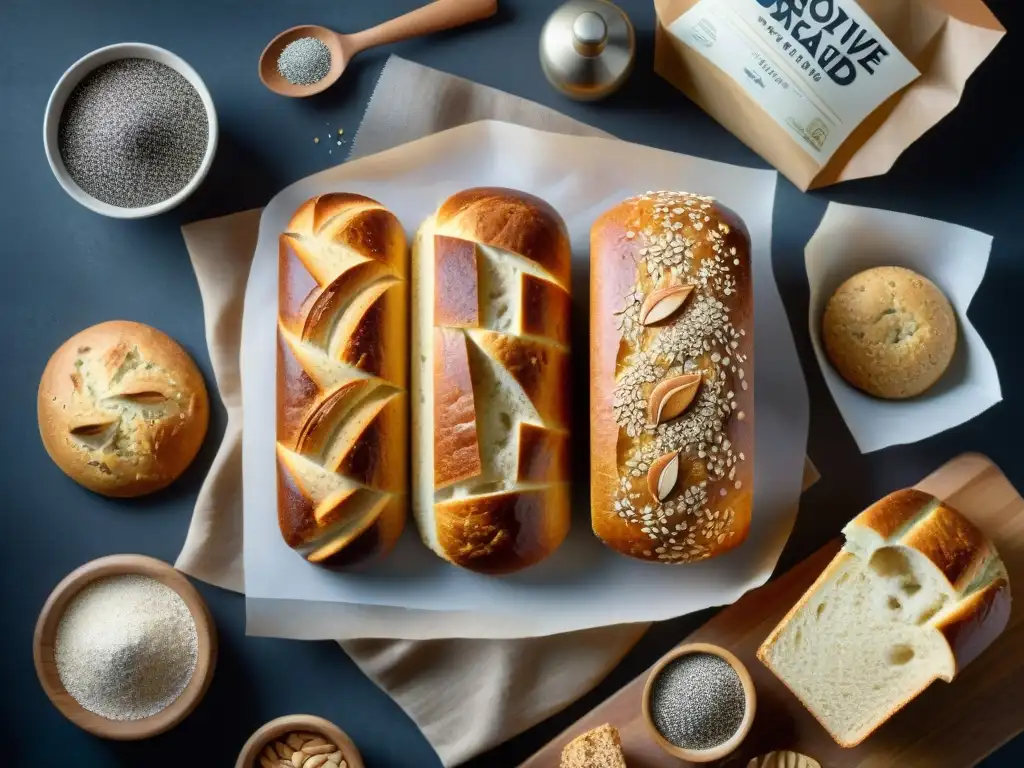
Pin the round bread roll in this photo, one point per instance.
(889, 332)
(122, 409)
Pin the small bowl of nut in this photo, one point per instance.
(299, 741)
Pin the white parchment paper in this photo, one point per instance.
(415, 595)
(851, 239)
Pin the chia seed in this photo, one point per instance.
(697, 701)
(304, 61)
(133, 133)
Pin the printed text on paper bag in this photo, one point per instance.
(817, 67)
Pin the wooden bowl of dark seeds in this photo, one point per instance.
(699, 702)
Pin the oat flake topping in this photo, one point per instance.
(700, 338)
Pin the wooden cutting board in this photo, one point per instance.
(950, 725)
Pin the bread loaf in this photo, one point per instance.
(342, 367)
(122, 408)
(916, 593)
(599, 747)
(490, 380)
(671, 378)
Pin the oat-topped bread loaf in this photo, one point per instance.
(916, 593)
(342, 367)
(490, 380)
(600, 747)
(122, 408)
(671, 378)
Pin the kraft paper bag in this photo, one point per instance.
(824, 90)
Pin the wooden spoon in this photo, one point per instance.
(439, 15)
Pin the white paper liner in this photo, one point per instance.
(851, 239)
(415, 595)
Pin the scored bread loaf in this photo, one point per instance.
(916, 593)
(342, 368)
(491, 275)
(671, 378)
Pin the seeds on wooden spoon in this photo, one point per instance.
(663, 475)
(663, 303)
(672, 397)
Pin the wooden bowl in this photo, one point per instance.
(726, 747)
(46, 631)
(282, 726)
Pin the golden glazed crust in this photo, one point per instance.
(513, 221)
(677, 241)
(889, 332)
(122, 408)
(342, 378)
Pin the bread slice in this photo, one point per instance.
(597, 748)
(915, 594)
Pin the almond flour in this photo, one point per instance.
(126, 647)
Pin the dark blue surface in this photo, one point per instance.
(63, 268)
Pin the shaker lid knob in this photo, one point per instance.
(590, 33)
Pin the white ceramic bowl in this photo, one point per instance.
(74, 75)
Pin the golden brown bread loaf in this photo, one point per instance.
(342, 368)
(490, 379)
(671, 378)
(122, 408)
(889, 332)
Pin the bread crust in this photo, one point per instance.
(122, 409)
(484, 515)
(513, 221)
(342, 379)
(503, 532)
(656, 241)
(961, 553)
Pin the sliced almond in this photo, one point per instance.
(283, 750)
(315, 761)
(318, 749)
(316, 741)
(663, 475)
(671, 397)
(294, 741)
(299, 758)
(268, 762)
(783, 759)
(335, 757)
(663, 303)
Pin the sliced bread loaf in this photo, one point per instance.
(597, 748)
(915, 594)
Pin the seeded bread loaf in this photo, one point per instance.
(122, 408)
(490, 380)
(671, 380)
(342, 367)
(916, 593)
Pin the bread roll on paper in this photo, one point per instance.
(342, 378)
(491, 276)
(671, 378)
